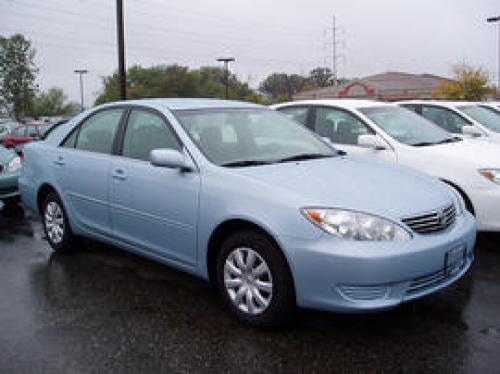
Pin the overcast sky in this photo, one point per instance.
(264, 36)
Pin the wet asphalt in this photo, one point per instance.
(105, 310)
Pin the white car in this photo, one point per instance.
(493, 106)
(459, 117)
(390, 132)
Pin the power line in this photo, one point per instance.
(214, 20)
(205, 38)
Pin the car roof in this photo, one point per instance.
(185, 103)
(344, 103)
(445, 103)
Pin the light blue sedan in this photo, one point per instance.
(239, 194)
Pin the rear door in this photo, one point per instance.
(82, 167)
(153, 208)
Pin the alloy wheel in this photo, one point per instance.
(54, 222)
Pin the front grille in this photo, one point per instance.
(431, 222)
(433, 280)
(364, 293)
(428, 281)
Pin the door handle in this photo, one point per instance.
(119, 174)
(60, 161)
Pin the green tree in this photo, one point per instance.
(281, 87)
(177, 81)
(53, 103)
(17, 75)
(469, 83)
(321, 77)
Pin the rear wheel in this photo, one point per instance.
(253, 279)
(55, 224)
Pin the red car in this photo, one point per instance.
(24, 134)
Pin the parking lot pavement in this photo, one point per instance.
(102, 310)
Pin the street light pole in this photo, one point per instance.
(226, 61)
(80, 72)
(121, 50)
(497, 21)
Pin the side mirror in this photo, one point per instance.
(326, 139)
(471, 130)
(170, 158)
(371, 141)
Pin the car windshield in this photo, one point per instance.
(484, 116)
(406, 126)
(245, 137)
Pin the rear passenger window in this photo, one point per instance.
(70, 142)
(97, 134)
(147, 131)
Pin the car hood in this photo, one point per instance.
(353, 183)
(478, 152)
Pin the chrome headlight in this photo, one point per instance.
(491, 174)
(355, 225)
(14, 165)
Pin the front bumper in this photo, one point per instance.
(8, 185)
(349, 276)
(486, 202)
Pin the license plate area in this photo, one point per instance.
(455, 259)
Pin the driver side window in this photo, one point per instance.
(147, 131)
(444, 118)
(339, 125)
(297, 114)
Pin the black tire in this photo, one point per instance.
(68, 241)
(282, 305)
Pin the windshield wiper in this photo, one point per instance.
(447, 140)
(305, 156)
(246, 163)
(423, 144)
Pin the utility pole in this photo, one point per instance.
(226, 61)
(80, 72)
(121, 50)
(333, 45)
(497, 21)
(334, 51)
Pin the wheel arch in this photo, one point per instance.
(231, 225)
(42, 193)
(468, 202)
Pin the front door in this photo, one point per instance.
(343, 129)
(153, 208)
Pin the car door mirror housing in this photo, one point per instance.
(371, 141)
(170, 158)
(471, 130)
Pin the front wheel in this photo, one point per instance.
(254, 280)
(56, 225)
